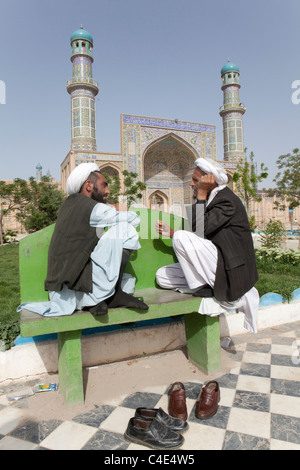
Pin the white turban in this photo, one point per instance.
(210, 166)
(79, 175)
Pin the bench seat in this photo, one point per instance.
(202, 331)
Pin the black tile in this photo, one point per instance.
(35, 432)
(240, 441)
(259, 370)
(192, 389)
(283, 360)
(258, 347)
(219, 420)
(228, 380)
(95, 417)
(252, 401)
(285, 428)
(285, 387)
(284, 340)
(141, 399)
(105, 440)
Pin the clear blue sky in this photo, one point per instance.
(157, 58)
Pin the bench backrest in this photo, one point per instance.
(156, 251)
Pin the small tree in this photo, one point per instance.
(35, 203)
(132, 189)
(43, 204)
(274, 234)
(246, 179)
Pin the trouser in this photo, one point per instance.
(196, 267)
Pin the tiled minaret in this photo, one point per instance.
(39, 173)
(83, 90)
(232, 113)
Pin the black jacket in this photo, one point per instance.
(226, 225)
(71, 245)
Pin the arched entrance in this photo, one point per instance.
(168, 167)
(110, 171)
(158, 201)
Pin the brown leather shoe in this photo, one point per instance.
(209, 399)
(177, 404)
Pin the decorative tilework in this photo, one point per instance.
(167, 123)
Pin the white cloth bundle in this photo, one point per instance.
(78, 176)
(210, 166)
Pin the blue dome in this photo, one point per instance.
(81, 34)
(39, 166)
(229, 67)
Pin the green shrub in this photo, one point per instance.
(276, 255)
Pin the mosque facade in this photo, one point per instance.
(161, 151)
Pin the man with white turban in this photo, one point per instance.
(216, 259)
(85, 262)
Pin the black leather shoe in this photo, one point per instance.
(153, 434)
(175, 424)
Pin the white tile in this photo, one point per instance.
(286, 373)
(282, 349)
(13, 443)
(253, 383)
(117, 421)
(283, 445)
(285, 405)
(69, 436)
(190, 404)
(236, 370)
(163, 403)
(289, 334)
(159, 389)
(4, 401)
(227, 396)
(261, 340)
(10, 418)
(256, 357)
(255, 423)
(134, 446)
(203, 437)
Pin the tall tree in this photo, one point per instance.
(13, 196)
(247, 178)
(35, 203)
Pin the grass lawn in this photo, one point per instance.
(9, 294)
(9, 282)
(273, 277)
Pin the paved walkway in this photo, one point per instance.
(259, 407)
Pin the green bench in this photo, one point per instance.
(202, 331)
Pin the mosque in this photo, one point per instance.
(161, 151)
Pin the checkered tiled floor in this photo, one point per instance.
(259, 407)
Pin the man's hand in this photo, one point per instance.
(164, 229)
(202, 184)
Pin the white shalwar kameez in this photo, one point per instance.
(197, 266)
(106, 261)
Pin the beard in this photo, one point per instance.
(97, 196)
